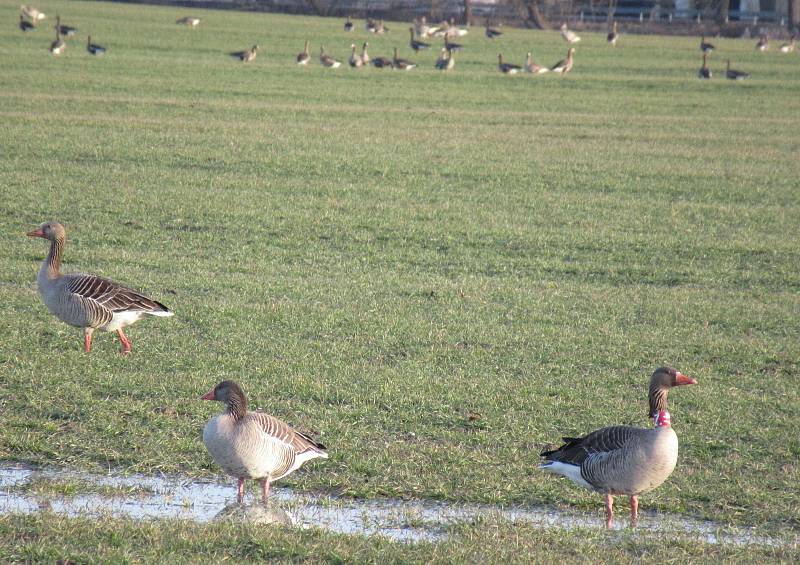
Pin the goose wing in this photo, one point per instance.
(283, 432)
(111, 295)
(577, 449)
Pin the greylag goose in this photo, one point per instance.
(32, 13)
(371, 25)
(58, 46)
(25, 25)
(254, 445)
(66, 31)
(364, 55)
(564, 66)
(624, 460)
(704, 72)
(506, 68)
(445, 62)
(568, 35)
(402, 64)
(380, 28)
(452, 47)
(613, 35)
(354, 60)
(532, 67)
(94, 48)
(247, 55)
(303, 58)
(492, 33)
(763, 43)
(417, 46)
(791, 46)
(190, 21)
(326, 60)
(382, 63)
(734, 74)
(705, 47)
(348, 25)
(87, 301)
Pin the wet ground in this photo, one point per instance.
(154, 497)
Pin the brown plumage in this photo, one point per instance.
(624, 460)
(254, 445)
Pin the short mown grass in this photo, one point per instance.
(439, 275)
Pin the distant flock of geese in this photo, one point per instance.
(447, 31)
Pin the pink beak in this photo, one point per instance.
(208, 396)
(35, 233)
(681, 379)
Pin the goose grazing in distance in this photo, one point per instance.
(455, 31)
(254, 445)
(247, 55)
(568, 35)
(25, 25)
(733, 74)
(624, 460)
(94, 48)
(371, 25)
(87, 301)
(303, 58)
(402, 64)
(382, 63)
(705, 47)
(348, 25)
(445, 62)
(762, 44)
(417, 46)
(354, 60)
(380, 28)
(704, 72)
(326, 60)
(364, 55)
(190, 21)
(66, 31)
(492, 33)
(32, 13)
(613, 36)
(58, 46)
(565, 65)
(532, 67)
(791, 46)
(506, 68)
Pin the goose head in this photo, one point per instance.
(662, 380)
(230, 394)
(51, 231)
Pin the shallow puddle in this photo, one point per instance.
(149, 497)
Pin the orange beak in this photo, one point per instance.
(681, 379)
(208, 396)
(35, 233)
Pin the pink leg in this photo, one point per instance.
(264, 490)
(240, 490)
(87, 339)
(609, 511)
(126, 343)
(634, 511)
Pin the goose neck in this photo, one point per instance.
(53, 261)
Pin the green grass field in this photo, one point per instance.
(377, 256)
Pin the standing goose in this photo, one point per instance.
(421, 27)
(762, 44)
(402, 64)
(704, 72)
(506, 68)
(94, 48)
(348, 25)
(492, 33)
(364, 55)
(247, 55)
(25, 25)
(303, 58)
(417, 46)
(568, 35)
(450, 46)
(87, 301)
(326, 60)
(791, 46)
(705, 47)
(66, 31)
(59, 45)
(32, 13)
(613, 36)
(354, 60)
(624, 460)
(564, 66)
(254, 445)
(190, 21)
(734, 74)
(532, 67)
(445, 62)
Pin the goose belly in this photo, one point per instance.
(121, 319)
(245, 451)
(648, 467)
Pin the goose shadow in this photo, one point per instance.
(256, 513)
